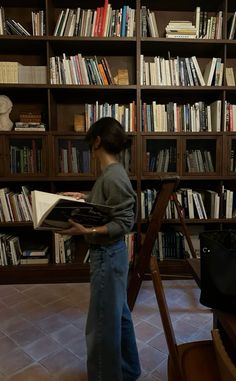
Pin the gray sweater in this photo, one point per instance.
(114, 188)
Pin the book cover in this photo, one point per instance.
(52, 211)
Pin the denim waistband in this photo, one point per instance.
(97, 246)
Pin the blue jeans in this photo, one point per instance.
(111, 346)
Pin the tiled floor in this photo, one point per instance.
(42, 329)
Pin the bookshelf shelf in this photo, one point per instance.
(196, 221)
(57, 105)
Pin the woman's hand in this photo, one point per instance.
(75, 229)
(78, 229)
(76, 195)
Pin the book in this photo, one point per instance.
(15, 249)
(229, 75)
(34, 129)
(218, 72)
(180, 35)
(197, 21)
(79, 122)
(211, 203)
(37, 260)
(152, 24)
(232, 27)
(216, 107)
(87, 257)
(198, 70)
(52, 211)
(123, 77)
(209, 71)
(30, 126)
(228, 203)
(4, 205)
(190, 202)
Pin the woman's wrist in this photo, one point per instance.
(92, 231)
(100, 230)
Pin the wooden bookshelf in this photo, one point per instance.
(58, 103)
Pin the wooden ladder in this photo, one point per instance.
(168, 187)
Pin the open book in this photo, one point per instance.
(52, 211)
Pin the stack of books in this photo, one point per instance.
(35, 255)
(181, 29)
(14, 72)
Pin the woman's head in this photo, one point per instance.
(112, 135)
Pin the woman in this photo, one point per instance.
(111, 346)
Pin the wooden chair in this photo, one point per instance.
(192, 361)
(226, 366)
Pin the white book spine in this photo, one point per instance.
(197, 205)
(198, 71)
(4, 204)
(197, 21)
(65, 15)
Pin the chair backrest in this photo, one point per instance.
(226, 366)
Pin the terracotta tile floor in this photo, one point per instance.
(42, 329)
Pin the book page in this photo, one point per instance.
(44, 202)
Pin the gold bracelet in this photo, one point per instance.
(94, 231)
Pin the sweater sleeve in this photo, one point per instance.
(120, 195)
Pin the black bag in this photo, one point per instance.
(218, 269)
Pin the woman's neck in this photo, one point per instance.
(105, 159)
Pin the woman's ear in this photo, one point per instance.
(97, 142)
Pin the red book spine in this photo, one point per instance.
(104, 15)
(99, 30)
(97, 22)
